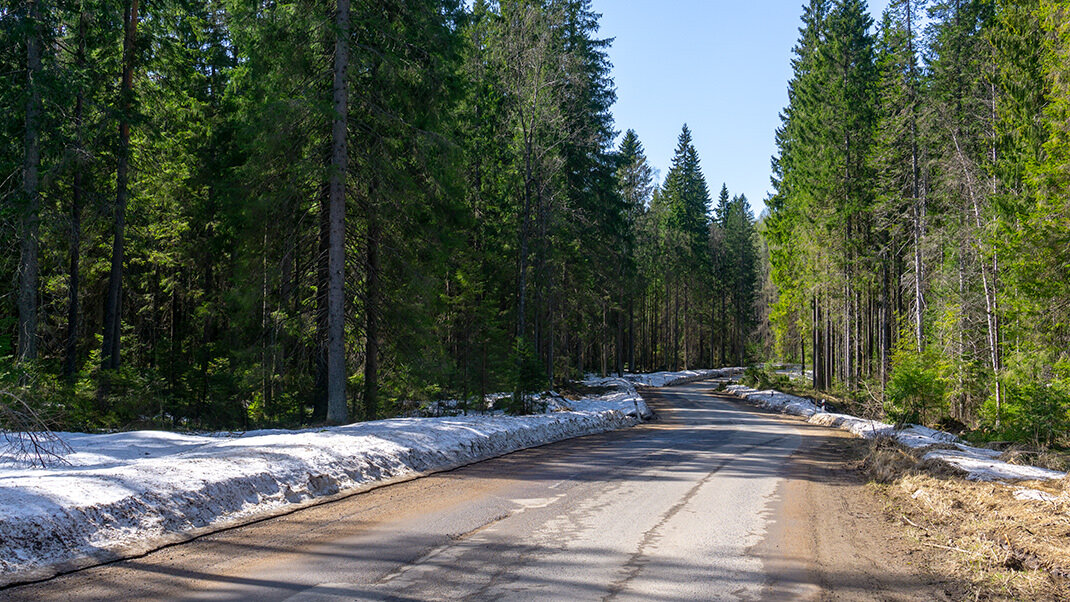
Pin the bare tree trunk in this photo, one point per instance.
(919, 296)
(885, 325)
(113, 303)
(337, 411)
(989, 283)
(916, 193)
(29, 245)
(816, 376)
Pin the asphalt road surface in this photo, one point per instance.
(689, 507)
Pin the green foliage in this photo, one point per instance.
(1035, 405)
(1031, 411)
(915, 390)
(759, 376)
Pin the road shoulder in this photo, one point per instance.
(830, 536)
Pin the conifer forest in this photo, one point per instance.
(237, 213)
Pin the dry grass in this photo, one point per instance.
(1009, 549)
(1029, 456)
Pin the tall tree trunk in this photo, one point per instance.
(722, 335)
(917, 196)
(113, 304)
(885, 326)
(919, 295)
(676, 329)
(70, 360)
(29, 245)
(619, 313)
(602, 342)
(816, 375)
(687, 326)
(372, 310)
(989, 282)
(550, 321)
(323, 271)
(713, 329)
(631, 335)
(337, 411)
(522, 266)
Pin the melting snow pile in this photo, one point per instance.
(979, 464)
(127, 493)
(667, 379)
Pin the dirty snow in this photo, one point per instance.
(123, 494)
(666, 379)
(1036, 495)
(776, 401)
(980, 468)
(980, 464)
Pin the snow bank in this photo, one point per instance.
(979, 464)
(125, 494)
(982, 467)
(776, 401)
(668, 379)
(860, 427)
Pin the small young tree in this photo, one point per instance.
(915, 388)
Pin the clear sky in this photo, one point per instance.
(721, 66)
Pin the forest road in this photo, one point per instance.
(713, 501)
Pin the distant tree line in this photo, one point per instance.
(220, 213)
(918, 234)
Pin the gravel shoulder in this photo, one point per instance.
(833, 537)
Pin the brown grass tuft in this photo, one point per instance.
(887, 461)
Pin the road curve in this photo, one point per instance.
(669, 510)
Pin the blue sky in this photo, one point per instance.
(721, 66)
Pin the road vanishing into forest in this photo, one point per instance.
(714, 500)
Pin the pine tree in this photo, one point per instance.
(741, 254)
(635, 182)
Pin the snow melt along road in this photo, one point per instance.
(666, 511)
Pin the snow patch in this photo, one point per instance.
(980, 468)
(980, 464)
(1027, 494)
